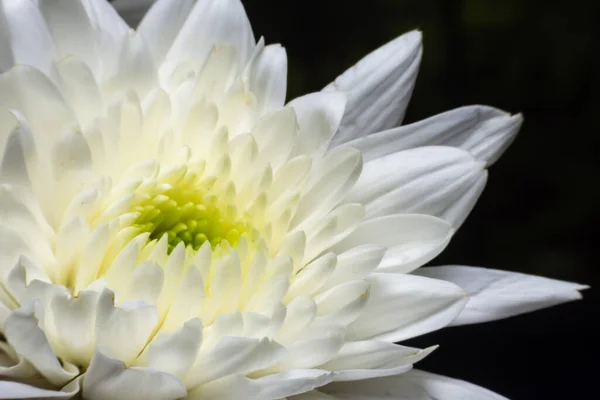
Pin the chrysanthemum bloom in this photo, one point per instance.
(170, 228)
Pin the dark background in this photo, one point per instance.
(539, 213)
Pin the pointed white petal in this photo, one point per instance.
(268, 78)
(80, 88)
(483, 131)
(401, 307)
(109, 379)
(356, 263)
(440, 181)
(123, 331)
(175, 352)
(110, 31)
(413, 385)
(314, 347)
(412, 240)
(24, 334)
(379, 87)
(217, 22)
(39, 102)
(319, 116)
(276, 386)
(136, 69)
(72, 31)
(275, 134)
(15, 390)
(74, 319)
(328, 185)
(372, 359)
(495, 294)
(24, 39)
(160, 25)
(232, 356)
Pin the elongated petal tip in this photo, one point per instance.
(495, 294)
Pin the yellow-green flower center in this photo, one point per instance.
(190, 216)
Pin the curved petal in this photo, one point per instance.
(24, 36)
(160, 24)
(109, 379)
(136, 69)
(414, 385)
(174, 352)
(371, 359)
(216, 22)
(319, 116)
(232, 356)
(411, 240)
(268, 78)
(72, 31)
(379, 87)
(110, 30)
(275, 386)
(441, 181)
(15, 390)
(483, 131)
(404, 306)
(24, 334)
(495, 294)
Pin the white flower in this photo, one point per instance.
(169, 228)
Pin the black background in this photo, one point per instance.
(539, 213)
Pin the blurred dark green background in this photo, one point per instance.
(539, 213)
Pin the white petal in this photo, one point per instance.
(372, 359)
(495, 294)
(413, 385)
(276, 386)
(74, 318)
(109, 27)
(343, 303)
(161, 24)
(136, 69)
(268, 78)
(319, 116)
(275, 134)
(79, 87)
(328, 185)
(175, 352)
(412, 240)
(24, 36)
(401, 307)
(440, 181)
(379, 87)
(442, 387)
(123, 331)
(217, 22)
(314, 347)
(24, 334)
(15, 390)
(232, 356)
(39, 101)
(72, 31)
(483, 131)
(109, 379)
(12, 365)
(356, 263)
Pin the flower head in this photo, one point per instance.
(170, 228)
